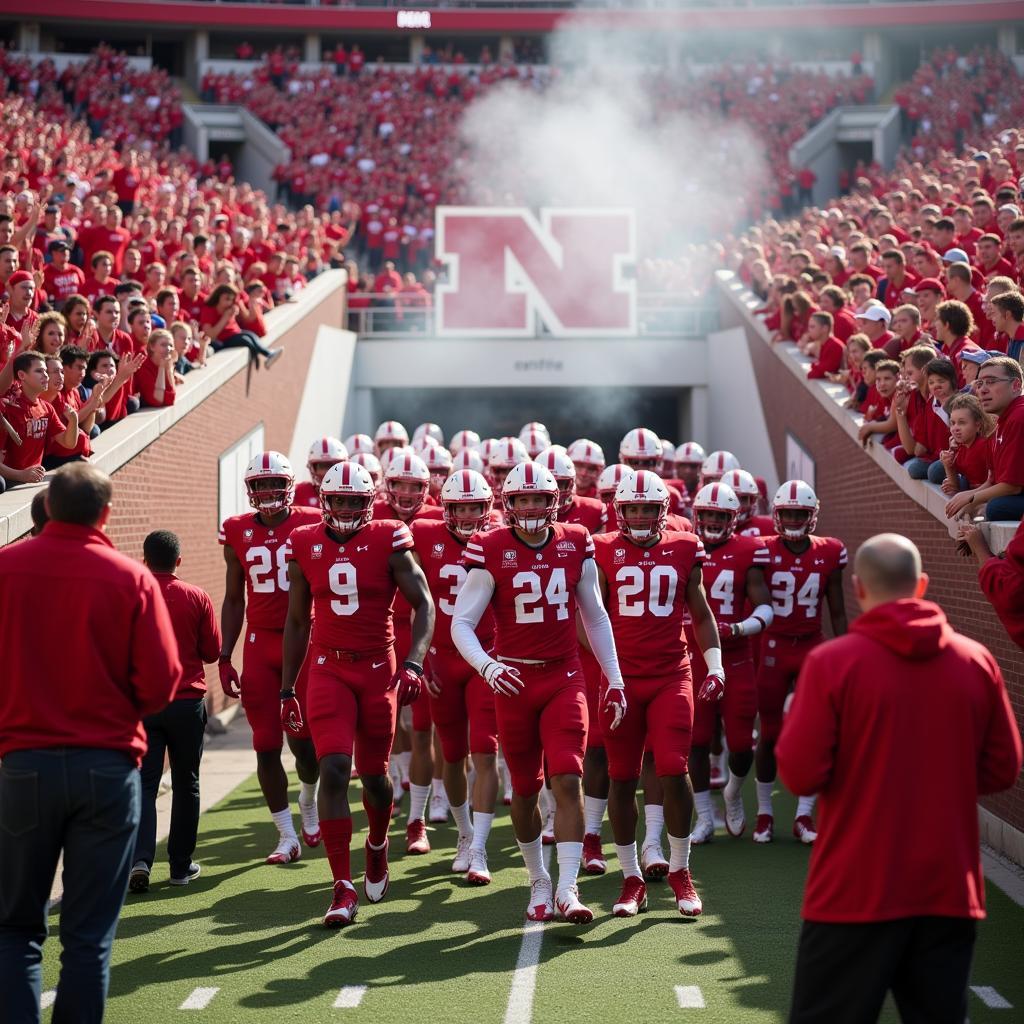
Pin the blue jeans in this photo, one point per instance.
(917, 469)
(1006, 509)
(86, 803)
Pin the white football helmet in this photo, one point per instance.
(641, 449)
(467, 458)
(530, 478)
(260, 476)
(388, 454)
(536, 440)
(406, 482)
(668, 455)
(463, 488)
(322, 455)
(690, 454)
(609, 480)
(505, 454)
(371, 464)
(588, 458)
(795, 496)
(439, 462)
(429, 430)
(561, 467)
(347, 480)
(716, 464)
(463, 439)
(745, 488)
(641, 488)
(716, 510)
(485, 447)
(360, 443)
(390, 434)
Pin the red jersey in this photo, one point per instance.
(382, 510)
(1007, 445)
(758, 526)
(443, 559)
(37, 424)
(725, 579)
(62, 284)
(195, 628)
(534, 598)
(351, 582)
(647, 598)
(262, 551)
(588, 512)
(798, 583)
(306, 495)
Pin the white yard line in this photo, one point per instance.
(991, 998)
(524, 977)
(350, 997)
(200, 998)
(47, 998)
(690, 997)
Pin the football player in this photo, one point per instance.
(462, 704)
(641, 449)
(348, 569)
(748, 522)
(690, 458)
(588, 458)
(323, 454)
(468, 458)
(504, 455)
(535, 438)
(733, 575)
(804, 572)
(256, 599)
(372, 465)
(534, 574)
(716, 465)
(360, 444)
(440, 464)
(463, 439)
(650, 578)
(390, 434)
(431, 430)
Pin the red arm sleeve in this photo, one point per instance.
(804, 750)
(209, 632)
(155, 665)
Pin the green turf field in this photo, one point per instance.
(440, 951)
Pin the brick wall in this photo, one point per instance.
(858, 500)
(173, 483)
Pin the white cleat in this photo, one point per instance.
(439, 807)
(569, 907)
(463, 855)
(542, 905)
(703, 832)
(286, 851)
(735, 817)
(479, 873)
(653, 864)
(548, 831)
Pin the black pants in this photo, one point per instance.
(843, 971)
(177, 731)
(86, 804)
(244, 339)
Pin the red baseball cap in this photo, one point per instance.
(928, 284)
(19, 277)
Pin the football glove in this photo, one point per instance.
(291, 713)
(615, 706)
(502, 679)
(409, 683)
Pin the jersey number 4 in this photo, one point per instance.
(639, 593)
(784, 591)
(532, 596)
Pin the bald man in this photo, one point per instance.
(894, 889)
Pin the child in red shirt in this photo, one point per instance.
(968, 460)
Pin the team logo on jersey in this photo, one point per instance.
(438, 551)
(322, 660)
(778, 559)
(819, 561)
(363, 547)
(508, 558)
(247, 534)
(619, 555)
(565, 545)
(318, 550)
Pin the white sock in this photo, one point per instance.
(654, 819)
(569, 857)
(628, 861)
(679, 856)
(733, 786)
(805, 805)
(404, 760)
(593, 814)
(764, 797)
(481, 829)
(418, 796)
(284, 823)
(533, 855)
(307, 792)
(547, 802)
(461, 816)
(440, 792)
(702, 801)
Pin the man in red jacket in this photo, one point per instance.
(1001, 576)
(71, 739)
(176, 731)
(871, 707)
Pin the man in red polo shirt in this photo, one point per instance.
(870, 708)
(827, 348)
(998, 387)
(35, 421)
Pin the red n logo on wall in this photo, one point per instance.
(505, 268)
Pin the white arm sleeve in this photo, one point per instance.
(470, 605)
(596, 623)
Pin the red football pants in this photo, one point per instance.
(464, 714)
(737, 708)
(595, 684)
(781, 660)
(349, 706)
(659, 717)
(261, 688)
(546, 722)
(421, 705)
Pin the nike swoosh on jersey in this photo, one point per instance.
(569, 675)
(378, 664)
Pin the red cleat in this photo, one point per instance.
(285, 852)
(571, 909)
(416, 840)
(593, 856)
(764, 829)
(343, 907)
(804, 830)
(633, 898)
(687, 900)
(377, 878)
(312, 839)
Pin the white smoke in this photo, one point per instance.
(609, 134)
